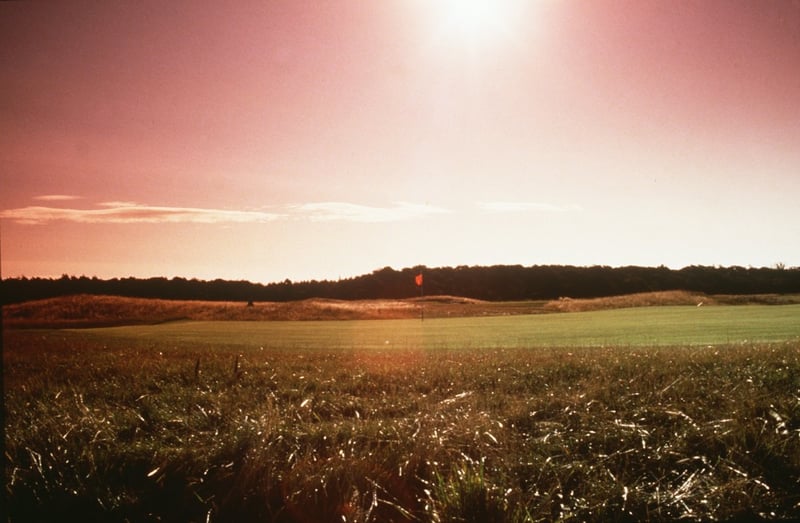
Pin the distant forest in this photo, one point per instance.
(494, 283)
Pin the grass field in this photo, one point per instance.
(652, 326)
(652, 414)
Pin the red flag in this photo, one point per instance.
(418, 280)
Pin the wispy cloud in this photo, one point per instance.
(526, 207)
(56, 197)
(130, 212)
(351, 212)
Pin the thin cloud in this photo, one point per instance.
(499, 207)
(56, 197)
(351, 212)
(128, 212)
(120, 212)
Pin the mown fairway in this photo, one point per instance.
(651, 326)
(643, 414)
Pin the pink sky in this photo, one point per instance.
(310, 140)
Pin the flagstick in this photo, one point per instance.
(421, 303)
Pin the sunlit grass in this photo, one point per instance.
(674, 325)
(109, 427)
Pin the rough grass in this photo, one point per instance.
(644, 299)
(93, 311)
(147, 429)
(661, 298)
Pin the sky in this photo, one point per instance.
(326, 139)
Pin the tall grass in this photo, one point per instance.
(89, 310)
(104, 428)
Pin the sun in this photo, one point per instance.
(475, 23)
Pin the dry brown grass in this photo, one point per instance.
(642, 299)
(90, 310)
(93, 310)
(109, 429)
(660, 298)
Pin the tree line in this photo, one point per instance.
(494, 283)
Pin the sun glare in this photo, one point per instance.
(474, 23)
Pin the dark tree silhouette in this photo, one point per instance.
(499, 282)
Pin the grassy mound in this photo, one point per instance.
(98, 311)
(645, 299)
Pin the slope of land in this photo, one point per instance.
(660, 298)
(94, 310)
